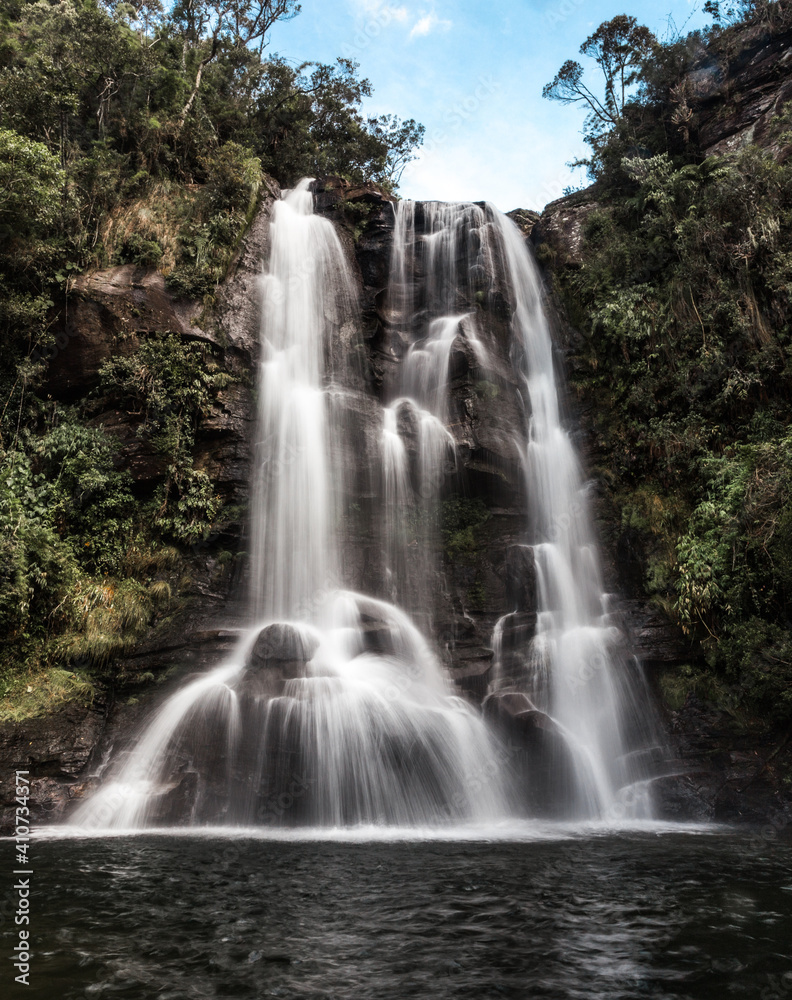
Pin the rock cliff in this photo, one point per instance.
(720, 773)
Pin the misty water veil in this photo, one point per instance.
(337, 702)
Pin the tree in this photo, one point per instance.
(619, 47)
(400, 139)
(749, 11)
(309, 122)
(31, 180)
(242, 22)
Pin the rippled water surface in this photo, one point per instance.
(616, 916)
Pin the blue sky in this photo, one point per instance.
(473, 74)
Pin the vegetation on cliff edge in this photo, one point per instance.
(133, 134)
(684, 303)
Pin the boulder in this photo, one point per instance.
(109, 312)
(283, 647)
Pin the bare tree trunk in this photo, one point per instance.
(199, 76)
(196, 87)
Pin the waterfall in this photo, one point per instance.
(307, 294)
(336, 708)
(570, 674)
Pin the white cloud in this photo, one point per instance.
(428, 23)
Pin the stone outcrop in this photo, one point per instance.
(735, 99)
(558, 232)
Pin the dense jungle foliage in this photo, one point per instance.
(133, 134)
(684, 302)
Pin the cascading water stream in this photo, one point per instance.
(577, 665)
(574, 670)
(334, 701)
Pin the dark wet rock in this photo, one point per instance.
(733, 101)
(538, 754)
(687, 797)
(517, 631)
(525, 220)
(471, 670)
(507, 704)
(724, 769)
(174, 805)
(336, 193)
(519, 571)
(377, 637)
(55, 749)
(281, 644)
(653, 637)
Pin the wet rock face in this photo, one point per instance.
(55, 751)
(519, 577)
(538, 754)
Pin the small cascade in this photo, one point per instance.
(432, 318)
(425, 378)
(576, 667)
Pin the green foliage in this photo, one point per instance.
(171, 384)
(460, 520)
(38, 568)
(684, 301)
(88, 498)
(23, 696)
(136, 249)
(309, 122)
(222, 212)
(31, 182)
